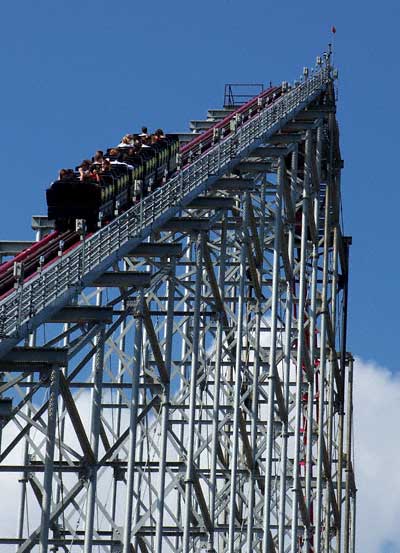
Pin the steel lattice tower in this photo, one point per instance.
(180, 382)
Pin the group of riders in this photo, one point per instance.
(105, 164)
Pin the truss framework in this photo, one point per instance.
(198, 397)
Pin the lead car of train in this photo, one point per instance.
(98, 201)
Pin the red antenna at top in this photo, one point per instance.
(333, 29)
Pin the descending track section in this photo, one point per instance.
(179, 380)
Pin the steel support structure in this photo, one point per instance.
(206, 404)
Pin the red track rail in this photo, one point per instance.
(41, 253)
(27, 252)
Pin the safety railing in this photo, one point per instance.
(45, 288)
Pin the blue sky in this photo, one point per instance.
(77, 74)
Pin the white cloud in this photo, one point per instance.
(377, 451)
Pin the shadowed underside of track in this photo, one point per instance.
(180, 381)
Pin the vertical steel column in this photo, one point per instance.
(95, 420)
(238, 381)
(253, 432)
(193, 390)
(49, 460)
(333, 356)
(62, 411)
(323, 355)
(134, 406)
(353, 525)
(301, 353)
(120, 380)
(266, 548)
(263, 213)
(312, 343)
(25, 460)
(140, 433)
(257, 374)
(24, 479)
(340, 470)
(217, 387)
(343, 344)
(165, 405)
(349, 430)
(184, 373)
(290, 292)
(331, 381)
(142, 438)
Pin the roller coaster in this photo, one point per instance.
(175, 375)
